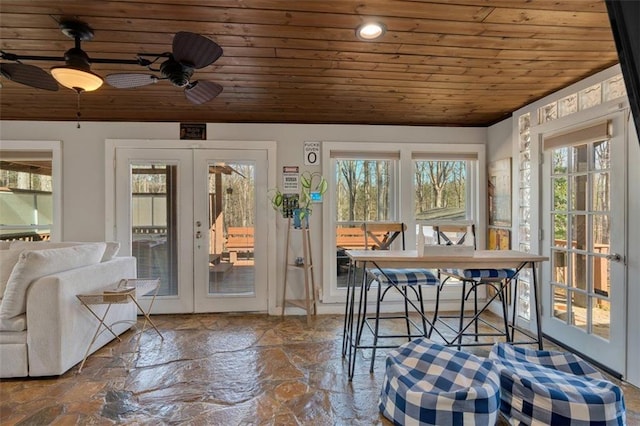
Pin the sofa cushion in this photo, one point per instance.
(17, 323)
(16, 337)
(41, 245)
(33, 264)
(112, 247)
(8, 259)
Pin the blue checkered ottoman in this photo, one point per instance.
(429, 384)
(554, 388)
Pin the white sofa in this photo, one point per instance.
(44, 329)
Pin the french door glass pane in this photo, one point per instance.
(153, 233)
(559, 273)
(560, 161)
(601, 156)
(601, 314)
(601, 275)
(580, 270)
(559, 302)
(578, 316)
(579, 158)
(579, 232)
(600, 192)
(231, 228)
(601, 228)
(560, 223)
(559, 188)
(579, 192)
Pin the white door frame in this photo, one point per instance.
(110, 189)
(615, 358)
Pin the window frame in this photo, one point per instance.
(55, 147)
(402, 183)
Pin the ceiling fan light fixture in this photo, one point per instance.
(76, 74)
(370, 31)
(76, 79)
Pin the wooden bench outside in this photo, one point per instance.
(352, 238)
(349, 239)
(239, 240)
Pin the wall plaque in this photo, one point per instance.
(196, 131)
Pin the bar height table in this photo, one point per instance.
(480, 259)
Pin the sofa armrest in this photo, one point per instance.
(59, 327)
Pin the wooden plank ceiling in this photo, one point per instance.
(441, 62)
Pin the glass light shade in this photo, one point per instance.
(370, 31)
(75, 79)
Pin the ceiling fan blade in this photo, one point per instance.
(195, 49)
(29, 75)
(200, 92)
(129, 80)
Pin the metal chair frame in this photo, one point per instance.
(473, 283)
(391, 232)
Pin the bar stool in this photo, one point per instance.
(380, 236)
(470, 280)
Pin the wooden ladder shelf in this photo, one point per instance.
(309, 301)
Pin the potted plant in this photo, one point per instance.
(299, 206)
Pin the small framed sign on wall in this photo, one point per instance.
(192, 131)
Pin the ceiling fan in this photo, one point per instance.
(190, 51)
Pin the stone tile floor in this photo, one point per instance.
(217, 369)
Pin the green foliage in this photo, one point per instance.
(363, 190)
(310, 182)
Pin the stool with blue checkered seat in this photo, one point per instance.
(470, 280)
(385, 279)
(426, 383)
(554, 388)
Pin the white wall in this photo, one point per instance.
(633, 258)
(499, 140)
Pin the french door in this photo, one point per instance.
(190, 217)
(583, 218)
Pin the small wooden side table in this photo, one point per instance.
(128, 290)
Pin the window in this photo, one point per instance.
(408, 183)
(612, 88)
(29, 205)
(440, 190)
(363, 190)
(364, 193)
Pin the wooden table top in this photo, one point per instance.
(478, 259)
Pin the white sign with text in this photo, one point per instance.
(311, 153)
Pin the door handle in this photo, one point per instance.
(615, 257)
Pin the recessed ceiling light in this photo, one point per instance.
(370, 31)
